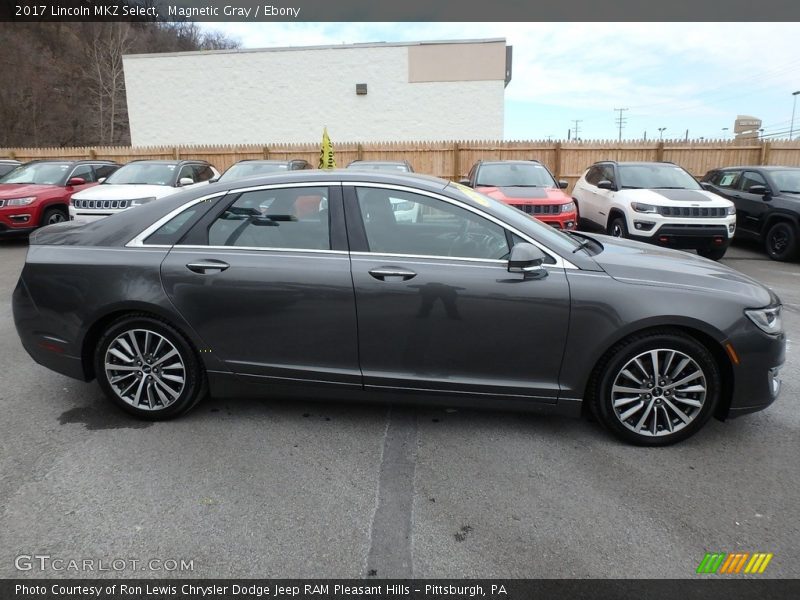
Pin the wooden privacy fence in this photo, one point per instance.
(452, 160)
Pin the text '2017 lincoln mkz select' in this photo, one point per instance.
(314, 283)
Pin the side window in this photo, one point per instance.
(187, 171)
(608, 173)
(103, 171)
(471, 175)
(594, 176)
(85, 172)
(406, 223)
(202, 172)
(167, 233)
(725, 179)
(751, 178)
(280, 218)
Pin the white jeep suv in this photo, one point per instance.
(137, 183)
(655, 202)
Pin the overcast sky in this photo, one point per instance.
(695, 76)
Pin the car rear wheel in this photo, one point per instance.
(52, 216)
(618, 228)
(656, 389)
(148, 368)
(712, 253)
(781, 241)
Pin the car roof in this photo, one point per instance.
(90, 161)
(761, 167)
(511, 162)
(9, 160)
(273, 161)
(626, 163)
(170, 162)
(378, 162)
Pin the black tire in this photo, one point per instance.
(780, 241)
(617, 227)
(53, 215)
(712, 253)
(186, 395)
(663, 418)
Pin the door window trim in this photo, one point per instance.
(560, 262)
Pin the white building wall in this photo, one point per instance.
(289, 96)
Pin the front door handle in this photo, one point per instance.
(392, 274)
(205, 267)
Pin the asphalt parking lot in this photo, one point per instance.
(278, 488)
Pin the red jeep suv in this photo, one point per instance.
(527, 185)
(38, 193)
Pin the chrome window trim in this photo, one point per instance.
(259, 249)
(138, 241)
(560, 261)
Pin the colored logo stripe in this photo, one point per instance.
(723, 563)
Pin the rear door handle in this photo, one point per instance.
(392, 274)
(205, 267)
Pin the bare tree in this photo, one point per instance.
(111, 42)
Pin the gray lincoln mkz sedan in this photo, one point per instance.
(307, 283)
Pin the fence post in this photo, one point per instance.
(557, 161)
(360, 151)
(176, 153)
(765, 148)
(92, 154)
(660, 152)
(265, 152)
(456, 161)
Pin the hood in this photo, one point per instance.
(125, 192)
(533, 195)
(677, 198)
(22, 190)
(629, 261)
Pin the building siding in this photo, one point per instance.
(290, 95)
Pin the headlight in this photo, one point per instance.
(568, 207)
(20, 201)
(140, 201)
(767, 319)
(643, 208)
(731, 210)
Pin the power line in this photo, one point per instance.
(620, 121)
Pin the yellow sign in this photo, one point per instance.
(479, 198)
(326, 158)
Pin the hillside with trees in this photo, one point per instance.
(62, 84)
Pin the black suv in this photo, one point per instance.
(767, 203)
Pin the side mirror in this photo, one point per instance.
(101, 180)
(526, 258)
(758, 189)
(76, 181)
(563, 184)
(607, 185)
(185, 181)
(464, 181)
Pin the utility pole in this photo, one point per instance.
(687, 135)
(620, 120)
(794, 105)
(576, 121)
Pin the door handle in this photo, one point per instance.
(207, 266)
(390, 274)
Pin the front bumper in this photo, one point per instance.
(687, 236)
(81, 216)
(756, 379)
(17, 220)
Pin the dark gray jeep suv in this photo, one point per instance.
(307, 283)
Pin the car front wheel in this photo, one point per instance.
(618, 228)
(781, 241)
(148, 368)
(655, 389)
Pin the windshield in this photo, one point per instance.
(375, 166)
(514, 175)
(788, 181)
(39, 173)
(143, 174)
(650, 176)
(247, 169)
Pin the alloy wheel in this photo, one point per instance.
(659, 392)
(145, 369)
(56, 217)
(778, 240)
